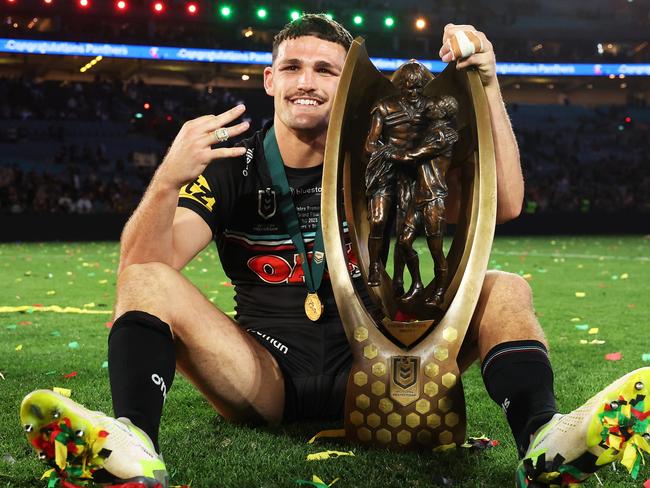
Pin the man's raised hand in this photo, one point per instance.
(192, 149)
(470, 48)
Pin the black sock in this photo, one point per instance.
(141, 366)
(519, 378)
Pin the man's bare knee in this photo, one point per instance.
(145, 287)
(507, 290)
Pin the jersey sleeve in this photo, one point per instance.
(213, 194)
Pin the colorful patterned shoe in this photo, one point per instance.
(85, 447)
(612, 426)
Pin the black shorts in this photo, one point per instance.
(315, 360)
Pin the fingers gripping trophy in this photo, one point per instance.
(392, 144)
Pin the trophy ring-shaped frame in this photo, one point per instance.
(404, 389)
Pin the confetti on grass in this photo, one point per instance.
(316, 482)
(319, 456)
(51, 308)
(613, 356)
(580, 294)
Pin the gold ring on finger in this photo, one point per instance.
(221, 135)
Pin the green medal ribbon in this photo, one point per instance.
(313, 275)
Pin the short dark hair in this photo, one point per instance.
(317, 25)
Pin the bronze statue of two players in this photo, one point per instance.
(409, 146)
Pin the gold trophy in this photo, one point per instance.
(390, 144)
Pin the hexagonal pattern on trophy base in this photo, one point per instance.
(436, 417)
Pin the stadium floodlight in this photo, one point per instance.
(158, 7)
(294, 15)
(48, 2)
(138, 115)
(84, 3)
(120, 5)
(262, 13)
(420, 23)
(389, 21)
(225, 11)
(357, 19)
(192, 8)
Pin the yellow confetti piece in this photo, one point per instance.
(66, 392)
(584, 341)
(60, 454)
(332, 434)
(47, 474)
(328, 455)
(89, 305)
(527, 276)
(52, 308)
(445, 447)
(575, 319)
(19, 347)
(580, 294)
(593, 330)
(102, 282)
(50, 292)
(625, 276)
(316, 479)
(597, 342)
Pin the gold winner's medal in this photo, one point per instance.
(313, 307)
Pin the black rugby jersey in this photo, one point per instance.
(235, 197)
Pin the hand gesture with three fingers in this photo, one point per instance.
(192, 150)
(471, 48)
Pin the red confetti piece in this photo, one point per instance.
(37, 305)
(108, 325)
(25, 322)
(70, 375)
(646, 484)
(613, 356)
(403, 317)
(631, 305)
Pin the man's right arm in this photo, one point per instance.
(159, 231)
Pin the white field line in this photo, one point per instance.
(597, 257)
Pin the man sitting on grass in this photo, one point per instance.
(273, 364)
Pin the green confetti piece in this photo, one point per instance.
(73, 345)
(49, 373)
(582, 326)
(105, 365)
(11, 327)
(645, 357)
(56, 333)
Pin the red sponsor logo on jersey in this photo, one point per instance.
(276, 269)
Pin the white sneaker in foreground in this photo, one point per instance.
(611, 426)
(82, 445)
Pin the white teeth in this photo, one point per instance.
(304, 101)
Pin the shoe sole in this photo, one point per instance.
(603, 444)
(44, 412)
(620, 409)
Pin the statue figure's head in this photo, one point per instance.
(411, 79)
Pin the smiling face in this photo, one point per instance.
(303, 82)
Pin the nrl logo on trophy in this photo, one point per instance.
(393, 146)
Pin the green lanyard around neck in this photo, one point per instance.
(313, 275)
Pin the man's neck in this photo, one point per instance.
(300, 149)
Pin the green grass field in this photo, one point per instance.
(38, 348)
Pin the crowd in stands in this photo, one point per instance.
(68, 147)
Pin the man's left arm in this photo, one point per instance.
(510, 181)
